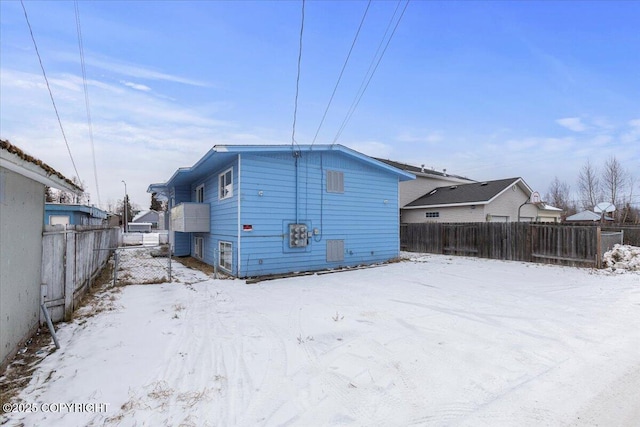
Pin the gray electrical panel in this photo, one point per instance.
(298, 237)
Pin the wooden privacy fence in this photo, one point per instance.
(72, 257)
(516, 241)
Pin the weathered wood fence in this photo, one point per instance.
(72, 257)
(531, 242)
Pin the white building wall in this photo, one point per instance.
(21, 223)
(415, 188)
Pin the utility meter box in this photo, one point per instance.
(298, 235)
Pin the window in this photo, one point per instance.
(200, 193)
(335, 182)
(335, 250)
(198, 249)
(59, 220)
(432, 214)
(225, 260)
(226, 184)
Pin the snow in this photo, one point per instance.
(622, 258)
(432, 340)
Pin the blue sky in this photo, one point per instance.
(487, 90)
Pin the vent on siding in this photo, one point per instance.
(335, 182)
(335, 250)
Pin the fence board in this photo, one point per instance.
(70, 262)
(537, 242)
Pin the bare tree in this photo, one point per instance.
(559, 195)
(615, 182)
(589, 187)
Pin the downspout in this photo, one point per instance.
(525, 202)
(239, 219)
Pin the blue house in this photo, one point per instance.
(260, 210)
(56, 214)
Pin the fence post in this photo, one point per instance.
(70, 272)
(115, 267)
(599, 247)
(169, 264)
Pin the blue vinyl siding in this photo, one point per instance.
(224, 215)
(182, 245)
(359, 216)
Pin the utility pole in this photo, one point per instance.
(125, 206)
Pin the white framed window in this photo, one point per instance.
(432, 214)
(200, 193)
(225, 259)
(335, 181)
(225, 180)
(59, 220)
(198, 247)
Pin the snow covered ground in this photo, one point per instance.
(434, 340)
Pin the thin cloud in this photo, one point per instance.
(136, 86)
(429, 137)
(572, 123)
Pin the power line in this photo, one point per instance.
(50, 93)
(86, 98)
(366, 81)
(342, 72)
(295, 108)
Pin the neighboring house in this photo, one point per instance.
(152, 217)
(260, 210)
(22, 193)
(502, 200)
(426, 180)
(587, 216)
(56, 214)
(114, 220)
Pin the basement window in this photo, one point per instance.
(225, 260)
(198, 247)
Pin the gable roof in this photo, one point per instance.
(16, 160)
(587, 216)
(92, 211)
(476, 193)
(220, 155)
(421, 171)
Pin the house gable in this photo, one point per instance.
(273, 187)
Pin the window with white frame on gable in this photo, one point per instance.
(225, 180)
(335, 181)
(200, 193)
(225, 258)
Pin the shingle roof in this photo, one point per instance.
(44, 168)
(418, 170)
(477, 192)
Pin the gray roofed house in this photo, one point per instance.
(501, 200)
(587, 216)
(426, 180)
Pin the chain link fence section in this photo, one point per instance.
(142, 265)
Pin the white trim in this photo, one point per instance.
(239, 263)
(449, 205)
(201, 186)
(220, 243)
(197, 239)
(34, 172)
(228, 194)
